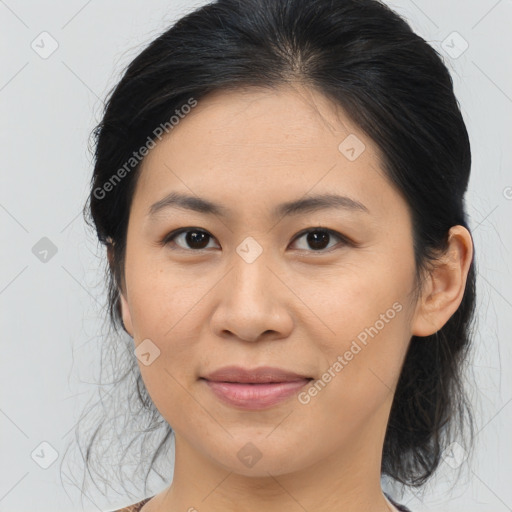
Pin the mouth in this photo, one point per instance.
(254, 396)
(256, 389)
(261, 375)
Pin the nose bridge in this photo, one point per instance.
(251, 275)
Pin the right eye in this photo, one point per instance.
(197, 239)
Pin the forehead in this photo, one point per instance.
(287, 116)
(259, 144)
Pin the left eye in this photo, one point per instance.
(197, 239)
(317, 237)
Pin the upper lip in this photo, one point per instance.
(256, 375)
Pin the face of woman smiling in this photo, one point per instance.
(251, 288)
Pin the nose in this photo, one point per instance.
(252, 303)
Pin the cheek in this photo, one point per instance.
(165, 310)
(352, 300)
(172, 374)
(161, 302)
(358, 379)
(366, 312)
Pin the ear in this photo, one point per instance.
(126, 315)
(445, 285)
(125, 310)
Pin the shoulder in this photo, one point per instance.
(133, 508)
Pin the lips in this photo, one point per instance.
(261, 375)
(256, 389)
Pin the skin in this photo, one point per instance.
(293, 307)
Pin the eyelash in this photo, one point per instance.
(173, 234)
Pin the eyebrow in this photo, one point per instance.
(300, 206)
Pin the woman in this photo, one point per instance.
(280, 187)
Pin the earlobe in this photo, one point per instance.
(126, 315)
(123, 304)
(445, 285)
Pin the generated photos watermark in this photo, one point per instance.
(343, 360)
(137, 156)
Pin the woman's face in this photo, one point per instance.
(250, 285)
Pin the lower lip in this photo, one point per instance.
(255, 396)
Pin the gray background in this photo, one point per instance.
(50, 304)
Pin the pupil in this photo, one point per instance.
(191, 238)
(316, 239)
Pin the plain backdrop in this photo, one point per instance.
(58, 61)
